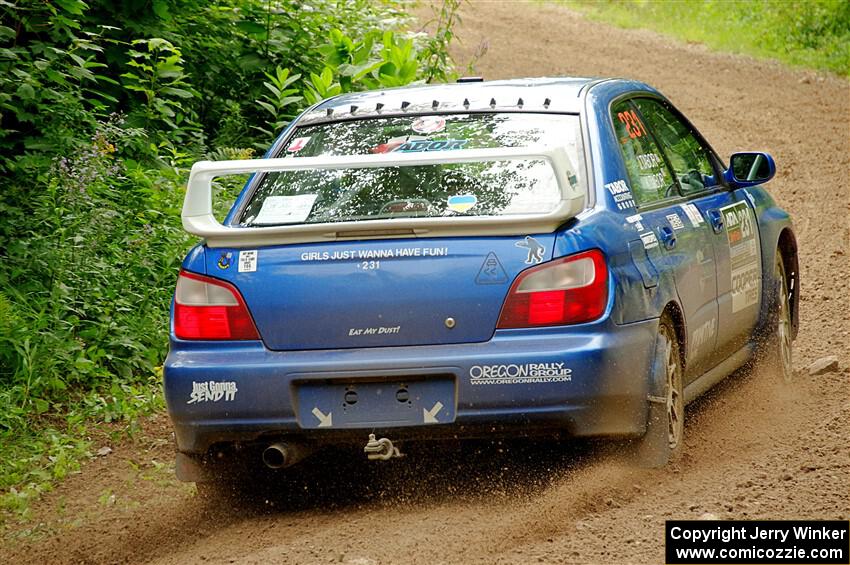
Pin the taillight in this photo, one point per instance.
(207, 308)
(570, 290)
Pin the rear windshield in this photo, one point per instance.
(492, 188)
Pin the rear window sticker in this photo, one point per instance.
(491, 271)
(410, 206)
(298, 144)
(428, 145)
(248, 261)
(649, 240)
(743, 254)
(535, 250)
(225, 260)
(621, 193)
(461, 202)
(286, 209)
(648, 161)
(675, 221)
(212, 391)
(693, 214)
(394, 143)
(634, 126)
(429, 124)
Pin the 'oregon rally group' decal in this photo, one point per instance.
(744, 255)
(525, 373)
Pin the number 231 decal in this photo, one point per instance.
(634, 127)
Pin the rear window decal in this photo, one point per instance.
(394, 143)
(648, 161)
(634, 126)
(428, 145)
(298, 144)
(461, 202)
(429, 124)
(285, 209)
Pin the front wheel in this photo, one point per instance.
(665, 427)
(774, 352)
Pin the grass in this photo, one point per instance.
(813, 34)
(34, 458)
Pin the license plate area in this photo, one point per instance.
(375, 403)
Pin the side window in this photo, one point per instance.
(650, 178)
(690, 161)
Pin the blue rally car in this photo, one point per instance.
(559, 256)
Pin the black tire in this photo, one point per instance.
(774, 352)
(662, 443)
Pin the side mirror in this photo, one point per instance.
(749, 169)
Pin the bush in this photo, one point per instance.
(103, 106)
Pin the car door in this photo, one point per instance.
(726, 218)
(672, 241)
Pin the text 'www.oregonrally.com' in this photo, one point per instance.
(812, 542)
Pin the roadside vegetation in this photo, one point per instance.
(808, 33)
(103, 107)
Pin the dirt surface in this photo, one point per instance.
(753, 449)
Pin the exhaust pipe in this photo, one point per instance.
(281, 454)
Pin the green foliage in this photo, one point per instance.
(103, 106)
(280, 102)
(812, 33)
(156, 71)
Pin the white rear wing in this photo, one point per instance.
(198, 217)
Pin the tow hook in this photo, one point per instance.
(380, 449)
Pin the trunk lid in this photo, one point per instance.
(378, 293)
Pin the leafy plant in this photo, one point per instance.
(280, 101)
(103, 107)
(157, 73)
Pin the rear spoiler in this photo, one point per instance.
(198, 218)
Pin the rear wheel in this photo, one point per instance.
(662, 442)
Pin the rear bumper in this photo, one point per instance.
(252, 390)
